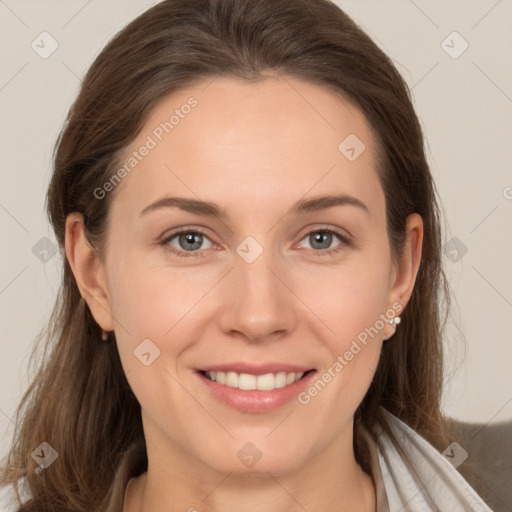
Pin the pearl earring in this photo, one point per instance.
(395, 321)
(104, 335)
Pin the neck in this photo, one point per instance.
(271, 496)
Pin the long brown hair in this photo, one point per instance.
(80, 401)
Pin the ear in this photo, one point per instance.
(88, 270)
(405, 270)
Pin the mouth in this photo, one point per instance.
(256, 390)
(250, 382)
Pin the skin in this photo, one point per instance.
(255, 149)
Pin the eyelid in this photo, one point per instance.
(169, 235)
(346, 239)
(313, 228)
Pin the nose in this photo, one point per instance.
(261, 305)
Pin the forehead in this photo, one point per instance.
(272, 140)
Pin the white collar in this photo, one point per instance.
(410, 475)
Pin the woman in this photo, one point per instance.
(252, 300)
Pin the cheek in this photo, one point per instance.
(351, 306)
(165, 305)
(348, 298)
(351, 358)
(356, 347)
(152, 300)
(153, 307)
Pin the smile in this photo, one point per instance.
(248, 382)
(253, 388)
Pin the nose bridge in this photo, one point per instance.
(260, 304)
(255, 280)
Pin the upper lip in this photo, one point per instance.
(256, 369)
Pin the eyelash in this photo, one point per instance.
(345, 242)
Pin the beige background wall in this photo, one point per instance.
(464, 99)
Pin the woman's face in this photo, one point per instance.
(266, 277)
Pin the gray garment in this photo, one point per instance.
(488, 467)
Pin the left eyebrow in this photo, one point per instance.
(210, 209)
(323, 202)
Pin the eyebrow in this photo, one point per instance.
(209, 209)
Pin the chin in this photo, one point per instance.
(249, 461)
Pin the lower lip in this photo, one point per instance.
(255, 400)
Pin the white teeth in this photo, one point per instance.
(232, 379)
(280, 380)
(247, 382)
(265, 382)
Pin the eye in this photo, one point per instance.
(320, 241)
(190, 243)
(186, 243)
